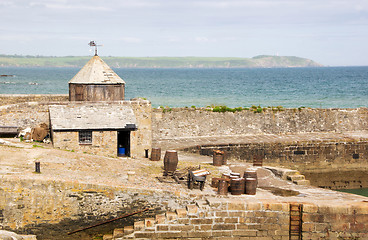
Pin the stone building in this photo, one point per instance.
(97, 119)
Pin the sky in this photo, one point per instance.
(331, 32)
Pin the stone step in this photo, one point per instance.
(295, 177)
(302, 182)
(108, 237)
(144, 228)
(29, 237)
(118, 232)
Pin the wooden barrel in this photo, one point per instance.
(170, 161)
(234, 174)
(250, 174)
(215, 182)
(222, 187)
(217, 159)
(237, 186)
(156, 154)
(226, 176)
(224, 158)
(250, 186)
(258, 160)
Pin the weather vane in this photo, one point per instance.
(93, 44)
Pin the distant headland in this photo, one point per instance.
(262, 61)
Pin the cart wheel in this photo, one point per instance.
(201, 186)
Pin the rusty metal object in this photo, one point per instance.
(111, 220)
(250, 186)
(155, 154)
(237, 186)
(223, 187)
(170, 162)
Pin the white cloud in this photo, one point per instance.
(131, 39)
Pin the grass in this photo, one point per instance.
(37, 146)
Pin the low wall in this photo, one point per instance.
(7, 99)
(252, 219)
(48, 207)
(181, 122)
(339, 164)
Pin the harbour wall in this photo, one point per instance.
(333, 164)
(336, 162)
(52, 209)
(181, 122)
(45, 207)
(188, 122)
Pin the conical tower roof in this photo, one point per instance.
(96, 71)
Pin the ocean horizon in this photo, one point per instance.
(316, 87)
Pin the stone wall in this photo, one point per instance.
(335, 164)
(26, 114)
(191, 123)
(33, 206)
(7, 99)
(103, 142)
(252, 219)
(142, 138)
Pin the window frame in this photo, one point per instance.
(85, 137)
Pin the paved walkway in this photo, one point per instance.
(185, 142)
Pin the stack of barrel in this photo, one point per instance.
(235, 184)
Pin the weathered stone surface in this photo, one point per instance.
(7, 235)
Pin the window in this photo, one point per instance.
(85, 137)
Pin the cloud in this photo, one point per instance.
(131, 39)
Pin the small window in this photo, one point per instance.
(85, 137)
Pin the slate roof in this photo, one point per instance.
(96, 71)
(92, 117)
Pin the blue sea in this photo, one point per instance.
(325, 87)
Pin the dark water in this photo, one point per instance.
(330, 87)
(361, 191)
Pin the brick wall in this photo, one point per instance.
(252, 219)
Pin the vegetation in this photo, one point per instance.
(160, 62)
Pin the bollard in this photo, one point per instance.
(38, 167)
(146, 152)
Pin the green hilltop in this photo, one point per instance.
(262, 61)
